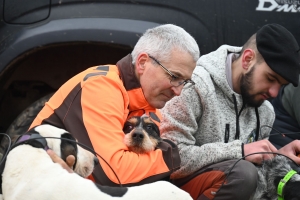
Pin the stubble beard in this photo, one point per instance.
(246, 86)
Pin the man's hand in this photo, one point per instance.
(259, 146)
(292, 150)
(66, 165)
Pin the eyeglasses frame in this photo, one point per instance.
(184, 82)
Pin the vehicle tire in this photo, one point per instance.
(21, 124)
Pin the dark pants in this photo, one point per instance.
(207, 183)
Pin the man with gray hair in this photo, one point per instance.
(95, 104)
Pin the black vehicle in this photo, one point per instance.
(45, 42)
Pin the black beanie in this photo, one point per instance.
(280, 50)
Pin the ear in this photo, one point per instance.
(140, 62)
(68, 147)
(248, 58)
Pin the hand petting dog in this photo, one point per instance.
(259, 146)
(68, 165)
(291, 150)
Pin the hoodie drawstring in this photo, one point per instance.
(237, 134)
(257, 124)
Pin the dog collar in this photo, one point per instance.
(282, 183)
(35, 136)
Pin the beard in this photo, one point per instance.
(246, 86)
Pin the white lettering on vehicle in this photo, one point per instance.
(292, 6)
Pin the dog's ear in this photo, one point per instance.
(68, 146)
(153, 116)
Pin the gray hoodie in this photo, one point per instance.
(196, 119)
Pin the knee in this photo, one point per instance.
(241, 181)
(247, 173)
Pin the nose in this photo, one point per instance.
(138, 136)
(274, 89)
(177, 90)
(96, 161)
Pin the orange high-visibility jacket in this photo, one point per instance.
(93, 106)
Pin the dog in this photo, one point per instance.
(29, 152)
(271, 173)
(30, 173)
(142, 135)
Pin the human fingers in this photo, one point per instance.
(270, 151)
(70, 160)
(56, 159)
(296, 147)
(261, 150)
(256, 159)
(291, 149)
(268, 156)
(272, 147)
(260, 157)
(296, 159)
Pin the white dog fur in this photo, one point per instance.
(30, 174)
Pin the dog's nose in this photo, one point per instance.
(96, 161)
(138, 136)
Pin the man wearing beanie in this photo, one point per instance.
(226, 117)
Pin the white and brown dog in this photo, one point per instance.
(30, 173)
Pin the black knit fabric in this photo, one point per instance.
(280, 50)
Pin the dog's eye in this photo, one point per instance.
(149, 127)
(127, 128)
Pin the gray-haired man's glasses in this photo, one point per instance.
(175, 80)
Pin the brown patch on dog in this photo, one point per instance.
(147, 120)
(133, 120)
